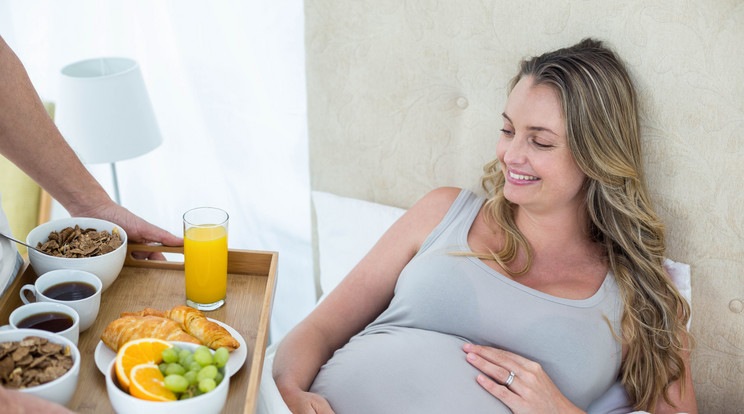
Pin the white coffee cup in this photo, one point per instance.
(23, 312)
(87, 308)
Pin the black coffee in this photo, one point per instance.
(70, 291)
(50, 321)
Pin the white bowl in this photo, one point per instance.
(208, 403)
(106, 267)
(61, 389)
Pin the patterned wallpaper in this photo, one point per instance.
(405, 96)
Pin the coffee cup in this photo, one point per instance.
(77, 289)
(47, 316)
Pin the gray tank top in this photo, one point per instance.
(410, 359)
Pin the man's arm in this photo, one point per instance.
(29, 139)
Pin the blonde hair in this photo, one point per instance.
(603, 132)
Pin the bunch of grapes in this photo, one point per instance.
(190, 374)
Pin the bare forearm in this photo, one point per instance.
(29, 139)
(299, 358)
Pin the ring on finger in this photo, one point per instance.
(510, 379)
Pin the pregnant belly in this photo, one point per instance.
(403, 370)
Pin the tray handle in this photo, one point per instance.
(238, 261)
(158, 264)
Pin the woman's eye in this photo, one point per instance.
(541, 145)
(507, 133)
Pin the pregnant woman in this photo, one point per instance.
(535, 300)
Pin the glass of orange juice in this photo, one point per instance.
(205, 257)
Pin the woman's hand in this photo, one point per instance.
(304, 402)
(528, 390)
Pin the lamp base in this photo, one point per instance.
(115, 180)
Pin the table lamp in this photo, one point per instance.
(104, 112)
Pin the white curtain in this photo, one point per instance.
(227, 82)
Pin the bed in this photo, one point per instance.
(405, 96)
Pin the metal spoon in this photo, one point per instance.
(20, 242)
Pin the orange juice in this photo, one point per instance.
(205, 259)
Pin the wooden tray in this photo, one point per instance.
(159, 284)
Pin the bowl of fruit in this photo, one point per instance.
(154, 376)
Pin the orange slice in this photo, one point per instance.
(136, 352)
(146, 383)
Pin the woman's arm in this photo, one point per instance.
(360, 297)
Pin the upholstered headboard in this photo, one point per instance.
(405, 96)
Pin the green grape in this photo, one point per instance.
(169, 355)
(206, 385)
(189, 374)
(221, 355)
(195, 366)
(210, 371)
(175, 369)
(183, 357)
(191, 377)
(203, 356)
(186, 361)
(176, 383)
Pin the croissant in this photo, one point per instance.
(196, 324)
(127, 328)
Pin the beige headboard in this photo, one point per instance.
(405, 96)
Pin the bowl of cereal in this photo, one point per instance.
(48, 369)
(93, 245)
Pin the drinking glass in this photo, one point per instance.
(205, 257)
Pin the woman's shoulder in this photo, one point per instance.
(421, 219)
(430, 209)
(438, 200)
(442, 196)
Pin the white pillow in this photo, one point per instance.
(680, 275)
(347, 230)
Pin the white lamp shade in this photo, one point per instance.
(104, 111)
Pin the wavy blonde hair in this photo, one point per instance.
(603, 132)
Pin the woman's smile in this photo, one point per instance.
(519, 178)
